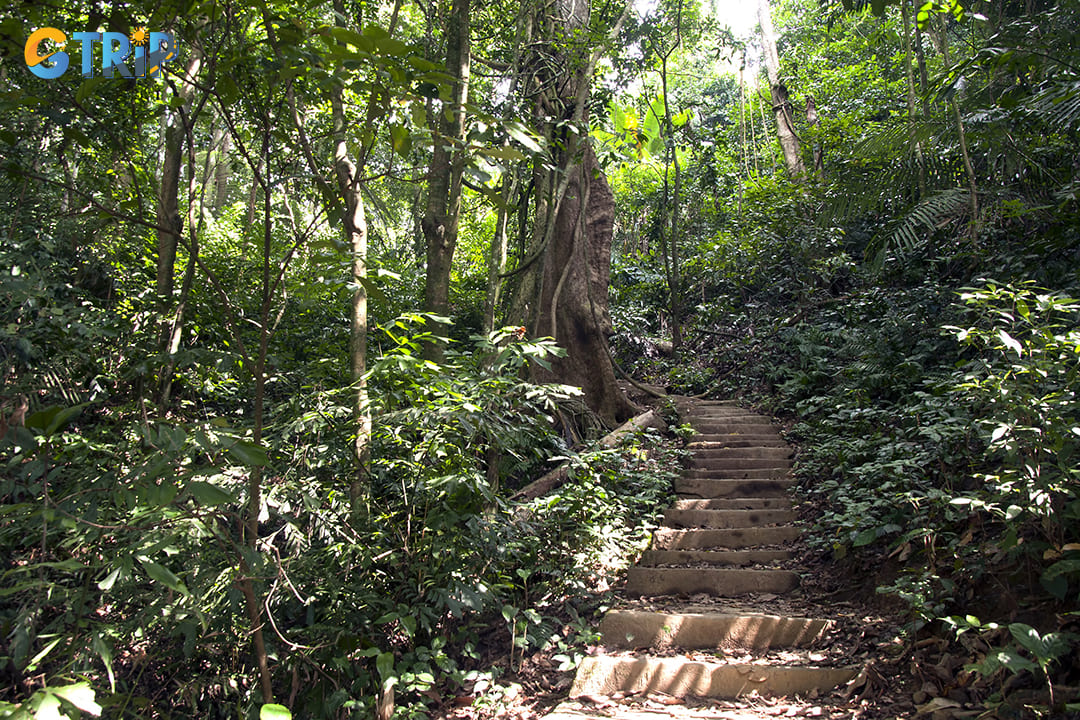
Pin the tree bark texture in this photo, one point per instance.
(781, 102)
(573, 300)
(440, 221)
(563, 281)
(171, 226)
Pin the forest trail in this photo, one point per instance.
(714, 620)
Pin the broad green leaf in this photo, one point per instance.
(88, 87)
(249, 453)
(110, 580)
(81, 695)
(164, 575)
(1027, 636)
(523, 135)
(42, 419)
(46, 706)
(865, 538)
(1010, 342)
(208, 494)
(401, 140)
(503, 153)
(384, 664)
(273, 711)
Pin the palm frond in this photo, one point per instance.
(1059, 104)
(911, 232)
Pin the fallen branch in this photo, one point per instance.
(561, 474)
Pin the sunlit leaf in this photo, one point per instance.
(272, 711)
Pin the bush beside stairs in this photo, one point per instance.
(723, 538)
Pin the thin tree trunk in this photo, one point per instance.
(742, 117)
(785, 118)
(170, 224)
(497, 260)
(905, 18)
(222, 145)
(255, 476)
(924, 81)
(670, 234)
(440, 221)
(964, 154)
(355, 227)
(812, 123)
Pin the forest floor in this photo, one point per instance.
(868, 635)
(904, 674)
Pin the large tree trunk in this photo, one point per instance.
(573, 301)
(564, 285)
(785, 117)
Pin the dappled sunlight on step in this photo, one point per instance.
(726, 536)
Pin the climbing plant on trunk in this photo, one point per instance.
(563, 293)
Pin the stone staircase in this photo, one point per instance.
(723, 545)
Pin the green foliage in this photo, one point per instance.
(122, 535)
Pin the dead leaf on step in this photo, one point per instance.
(597, 700)
(938, 703)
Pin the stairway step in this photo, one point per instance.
(720, 487)
(573, 710)
(747, 451)
(671, 539)
(680, 677)
(744, 474)
(739, 464)
(719, 582)
(652, 558)
(631, 629)
(760, 503)
(734, 441)
(676, 517)
(731, 428)
(683, 402)
(727, 417)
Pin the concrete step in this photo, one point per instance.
(717, 427)
(738, 463)
(683, 403)
(652, 558)
(766, 503)
(675, 517)
(573, 710)
(747, 451)
(629, 629)
(734, 441)
(672, 539)
(705, 441)
(726, 417)
(723, 487)
(719, 582)
(681, 677)
(745, 474)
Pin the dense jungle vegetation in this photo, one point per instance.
(285, 331)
